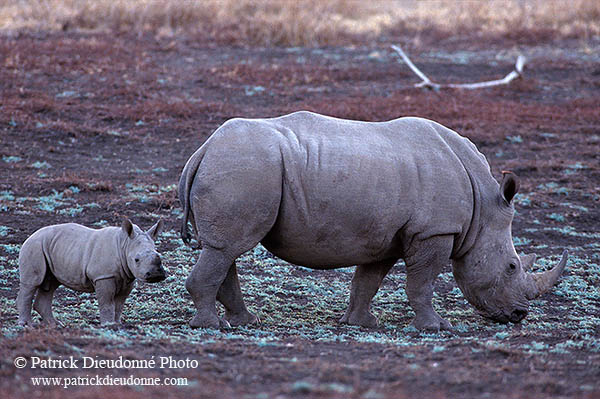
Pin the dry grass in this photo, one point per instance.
(305, 22)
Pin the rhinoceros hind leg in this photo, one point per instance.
(43, 299)
(232, 215)
(202, 320)
(365, 283)
(205, 281)
(32, 276)
(230, 295)
(422, 268)
(24, 303)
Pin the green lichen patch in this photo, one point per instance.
(66, 203)
(303, 303)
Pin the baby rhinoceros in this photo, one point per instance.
(106, 261)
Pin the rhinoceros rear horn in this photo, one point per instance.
(527, 261)
(540, 283)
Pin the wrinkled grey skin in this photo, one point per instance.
(106, 261)
(326, 193)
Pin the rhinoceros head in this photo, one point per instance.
(490, 274)
(142, 259)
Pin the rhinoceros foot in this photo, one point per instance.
(208, 320)
(25, 323)
(52, 323)
(365, 319)
(431, 322)
(111, 325)
(241, 318)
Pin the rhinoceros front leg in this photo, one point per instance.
(106, 290)
(120, 301)
(422, 268)
(365, 283)
(230, 295)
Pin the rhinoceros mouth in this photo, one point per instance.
(154, 278)
(497, 317)
(517, 315)
(501, 317)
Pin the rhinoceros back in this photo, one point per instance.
(357, 192)
(351, 192)
(74, 254)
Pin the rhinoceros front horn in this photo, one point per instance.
(537, 284)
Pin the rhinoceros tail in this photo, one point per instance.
(185, 185)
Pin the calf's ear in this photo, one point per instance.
(127, 227)
(155, 230)
(509, 186)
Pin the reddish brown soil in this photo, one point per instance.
(98, 107)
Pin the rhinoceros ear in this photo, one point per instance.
(155, 230)
(509, 186)
(127, 227)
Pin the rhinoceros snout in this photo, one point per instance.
(155, 276)
(515, 316)
(157, 272)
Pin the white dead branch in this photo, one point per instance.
(426, 82)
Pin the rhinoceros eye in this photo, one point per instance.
(512, 267)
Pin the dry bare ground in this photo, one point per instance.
(307, 22)
(101, 104)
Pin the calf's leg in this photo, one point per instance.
(120, 301)
(106, 290)
(32, 272)
(43, 299)
(24, 302)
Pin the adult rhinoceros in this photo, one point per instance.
(325, 193)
